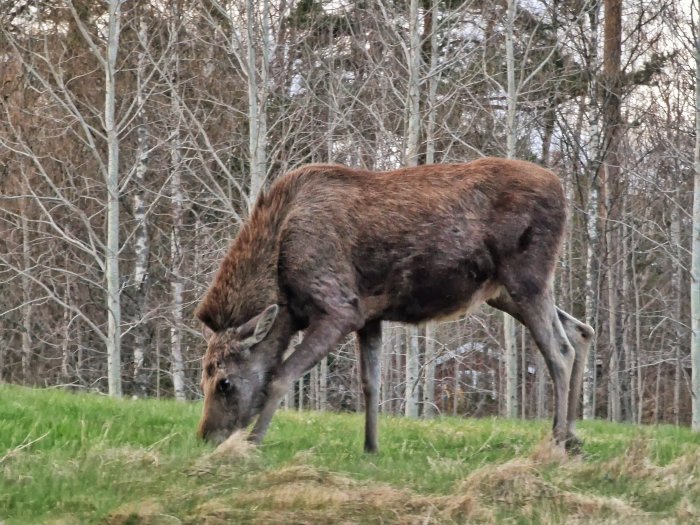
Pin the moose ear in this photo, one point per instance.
(263, 323)
(207, 333)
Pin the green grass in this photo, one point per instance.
(80, 458)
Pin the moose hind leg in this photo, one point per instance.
(370, 342)
(580, 335)
(538, 312)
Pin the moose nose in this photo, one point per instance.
(212, 434)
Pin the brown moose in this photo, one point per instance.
(332, 250)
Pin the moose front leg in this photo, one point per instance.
(320, 338)
(370, 342)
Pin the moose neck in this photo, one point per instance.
(246, 282)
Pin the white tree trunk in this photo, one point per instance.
(323, 385)
(411, 398)
(26, 300)
(414, 60)
(176, 198)
(112, 182)
(257, 97)
(141, 240)
(589, 376)
(509, 337)
(677, 280)
(614, 387)
(695, 263)
(429, 406)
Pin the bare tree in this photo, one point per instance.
(695, 264)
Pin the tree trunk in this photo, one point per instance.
(695, 263)
(411, 390)
(411, 397)
(323, 385)
(630, 407)
(257, 98)
(112, 183)
(456, 384)
(509, 336)
(429, 406)
(592, 264)
(430, 11)
(141, 240)
(639, 394)
(541, 378)
(26, 301)
(176, 198)
(611, 172)
(677, 280)
(614, 392)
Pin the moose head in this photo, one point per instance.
(236, 370)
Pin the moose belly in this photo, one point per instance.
(437, 295)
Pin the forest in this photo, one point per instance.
(136, 136)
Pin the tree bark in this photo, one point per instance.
(677, 281)
(612, 51)
(411, 390)
(592, 263)
(141, 239)
(257, 98)
(411, 397)
(509, 335)
(26, 300)
(176, 198)
(430, 8)
(112, 184)
(695, 262)
(429, 406)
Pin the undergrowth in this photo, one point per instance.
(79, 458)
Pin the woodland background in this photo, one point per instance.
(135, 136)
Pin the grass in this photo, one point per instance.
(79, 458)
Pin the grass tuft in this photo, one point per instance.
(236, 447)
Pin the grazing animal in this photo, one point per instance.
(332, 250)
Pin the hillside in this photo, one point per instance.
(67, 458)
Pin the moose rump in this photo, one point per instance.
(338, 250)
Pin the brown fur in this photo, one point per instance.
(340, 249)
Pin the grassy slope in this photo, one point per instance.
(99, 460)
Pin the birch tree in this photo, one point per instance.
(430, 36)
(413, 59)
(509, 336)
(141, 238)
(176, 198)
(592, 263)
(695, 263)
(112, 187)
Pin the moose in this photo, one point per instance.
(330, 250)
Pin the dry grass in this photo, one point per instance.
(303, 494)
(538, 488)
(147, 512)
(236, 448)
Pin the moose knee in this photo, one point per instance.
(278, 388)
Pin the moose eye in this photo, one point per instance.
(225, 386)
